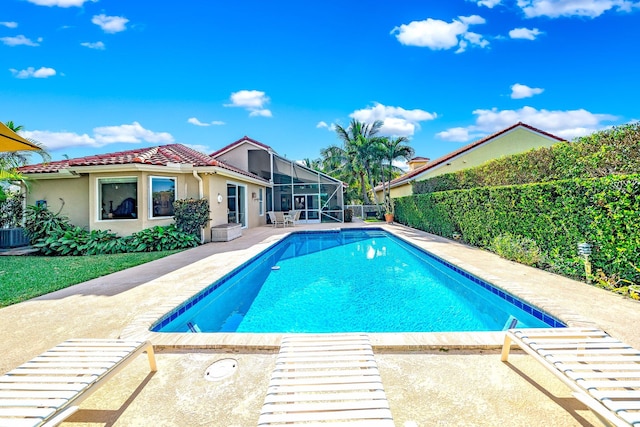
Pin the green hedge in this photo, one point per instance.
(556, 215)
(608, 152)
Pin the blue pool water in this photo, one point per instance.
(347, 281)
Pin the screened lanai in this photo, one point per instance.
(316, 195)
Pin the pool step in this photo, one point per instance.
(329, 379)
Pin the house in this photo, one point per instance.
(515, 139)
(131, 190)
(319, 197)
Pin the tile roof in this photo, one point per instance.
(161, 155)
(238, 142)
(447, 157)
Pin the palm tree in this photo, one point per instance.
(394, 149)
(358, 151)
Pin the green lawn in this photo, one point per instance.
(25, 277)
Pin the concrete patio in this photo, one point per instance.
(430, 379)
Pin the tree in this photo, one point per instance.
(394, 149)
(358, 152)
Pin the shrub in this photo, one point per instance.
(40, 223)
(11, 212)
(556, 215)
(160, 238)
(191, 215)
(517, 248)
(52, 234)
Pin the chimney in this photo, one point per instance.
(417, 162)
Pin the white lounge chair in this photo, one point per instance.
(277, 218)
(49, 388)
(327, 378)
(292, 217)
(603, 373)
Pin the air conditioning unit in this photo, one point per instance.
(13, 238)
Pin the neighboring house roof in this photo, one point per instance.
(238, 142)
(162, 155)
(444, 159)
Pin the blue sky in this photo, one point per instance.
(95, 76)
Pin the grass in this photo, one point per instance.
(26, 277)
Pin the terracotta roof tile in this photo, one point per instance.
(158, 156)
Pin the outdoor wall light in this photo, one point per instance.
(584, 250)
(219, 198)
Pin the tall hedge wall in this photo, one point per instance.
(608, 152)
(557, 215)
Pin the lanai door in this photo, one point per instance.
(237, 204)
(309, 205)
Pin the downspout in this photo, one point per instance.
(200, 196)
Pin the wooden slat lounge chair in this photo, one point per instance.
(49, 388)
(327, 380)
(603, 373)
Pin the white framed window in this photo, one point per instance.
(260, 202)
(162, 194)
(118, 198)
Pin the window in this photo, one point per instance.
(162, 191)
(118, 198)
(260, 202)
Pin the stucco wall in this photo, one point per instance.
(519, 140)
(238, 156)
(74, 192)
(217, 184)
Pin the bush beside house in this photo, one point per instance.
(53, 234)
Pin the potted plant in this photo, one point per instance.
(388, 210)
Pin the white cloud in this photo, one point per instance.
(489, 3)
(60, 3)
(557, 8)
(40, 73)
(96, 45)
(195, 121)
(260, 113)
(9, 24)
(524, 33)
(567, 124)
(110, 24)
(519, 91)
(454, 134)
(323, 125)
(251, 100)
(59, 140)
(20, 40)
(133, 133)
(397, 121)
(440, 35)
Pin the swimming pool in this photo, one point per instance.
(350, 280)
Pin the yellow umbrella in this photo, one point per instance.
(11, 141)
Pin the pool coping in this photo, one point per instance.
(139, 328)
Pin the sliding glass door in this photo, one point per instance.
(237, 204)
